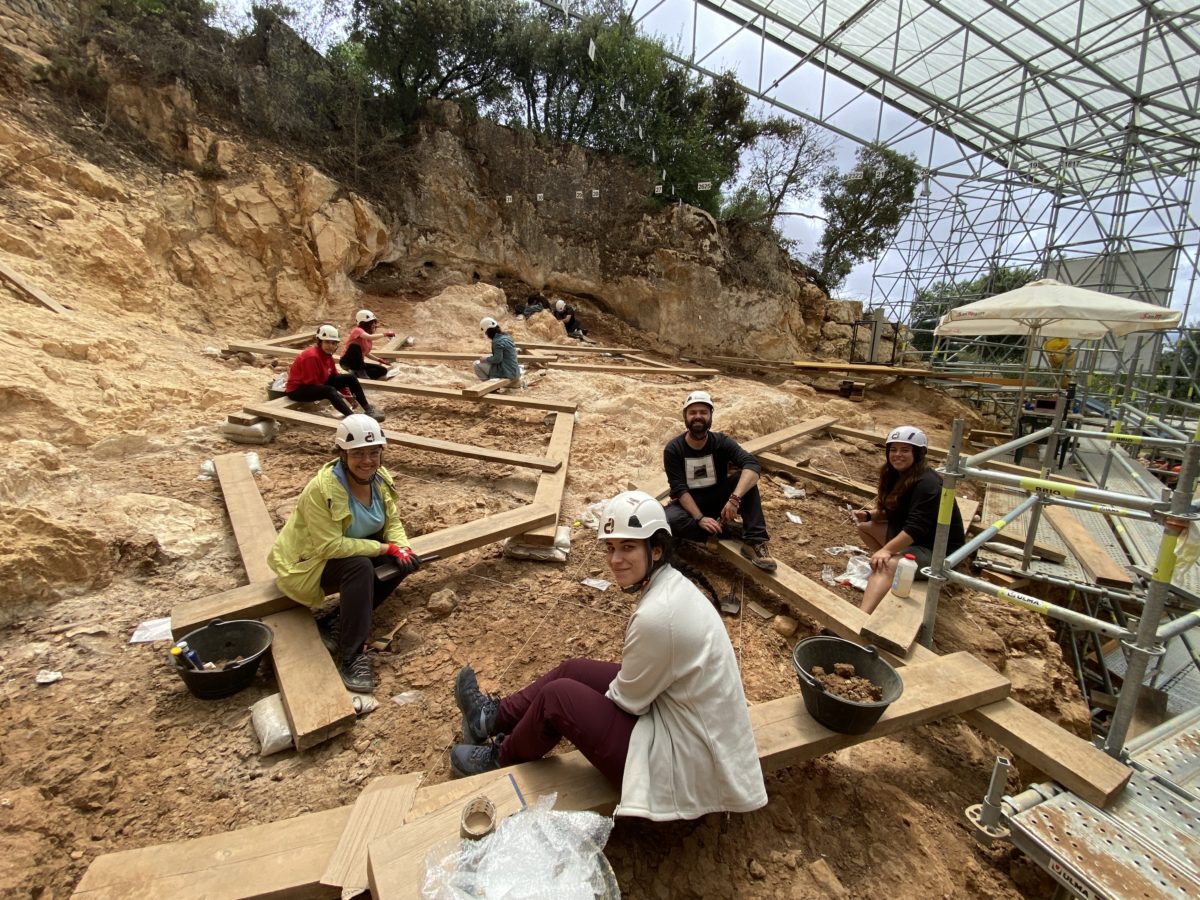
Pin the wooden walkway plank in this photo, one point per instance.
(379, 810)
(279, 860)
(777, 463)
(1093, 558)
(895, 622)
(551, 486)
(632, 370)
(253, 527)
(413, 441)
(643, 361)
(486, 387)
(314, 699)
(264, 598)
(396, 861)
(27, 287)
(417, 390)
(574, 348)
(1069, 760)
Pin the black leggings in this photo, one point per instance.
(360, 592)
(309, 393)
(367, 370)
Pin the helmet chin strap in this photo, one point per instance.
(637, 588)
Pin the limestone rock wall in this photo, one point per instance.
(33, 24)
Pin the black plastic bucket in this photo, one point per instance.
(218, 641)
(836, 713)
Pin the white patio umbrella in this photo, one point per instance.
(1049, 308)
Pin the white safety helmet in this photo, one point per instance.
(632, 515)
(359, 431)
(328, 333)
(488, 322)
(363, 316)
(908, 434)
(698, 397)
(560, 305)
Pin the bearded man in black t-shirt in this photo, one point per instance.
(714, 482)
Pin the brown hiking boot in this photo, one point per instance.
(760, 555)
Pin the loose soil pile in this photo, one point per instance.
(844, 683)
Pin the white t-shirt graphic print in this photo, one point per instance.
(700, 471)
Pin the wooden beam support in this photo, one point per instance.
(550, 487)
(786, 435)
(379, 810)
(484, 388)
(416, 442)
(1069, 760)
(633, 370)
(1093, 558)
(895, 622)
(437, 393)
(263, 598)
(643, 361)
(253, 527)
(445, 356)
(574, 348)
(777, 463)
(27, 287)
(314, 699)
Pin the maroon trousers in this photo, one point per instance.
(568, 702)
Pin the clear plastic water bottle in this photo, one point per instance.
(906, 571)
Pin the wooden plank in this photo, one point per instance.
(379, 810)
(391, 387)
(948, 685)
(633, 370)
(550, 487)
(444, 356)
(278, 860)
(1069, 760)
(486, 387)
(264, 598)
(574, 348)
(778, 463)
(288, 340)
(253, 527)
(643, 361)
(19, 281)
(238, 418)
(314, 698)
(404, 439)
(894, 623)
(396, 861)
(1093, 558)
(1014, 533)
(785, 435)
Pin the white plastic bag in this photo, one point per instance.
(858, 570)
(270, 724)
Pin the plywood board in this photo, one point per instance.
(253, 527)
(263, 598)
(314, 698)
(403, 439)
(379, 810)
(396, 861)
(485, 388)
(20, 282)
(633, 370)
(786, 734)
(551, 486)
(894, 623)
(279, 860)
(1093, 557)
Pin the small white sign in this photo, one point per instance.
(579, 195)
(704, 186)
(658, 189)
(653, 155)
(621, 101)
(591, 50)
(595, 193)
(598, 583)
(639, 132)
(508, 198)
(541, 197)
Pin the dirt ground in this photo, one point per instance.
(113, 527)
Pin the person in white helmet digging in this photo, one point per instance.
(502, 363)
(570, 319)
(356, 355)
(313, 376)
(903, 518)
(667, 725)
(707, 494)
(345, 526)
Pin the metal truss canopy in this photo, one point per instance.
(1079, 93)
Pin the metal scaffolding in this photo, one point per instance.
(1061, 137)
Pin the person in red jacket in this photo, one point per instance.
(313, 376)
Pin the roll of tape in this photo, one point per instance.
(478, 819)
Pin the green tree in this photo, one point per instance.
(864, 209)
(418, 50)
(785, 164)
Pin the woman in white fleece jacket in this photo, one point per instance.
(668, 725)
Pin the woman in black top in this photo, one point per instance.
(904, 518)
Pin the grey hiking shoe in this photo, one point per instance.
(760, 555)
(356, 674)
(375, 413)
(469, 759)
(478, 709)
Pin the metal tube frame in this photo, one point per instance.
(990, 532)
